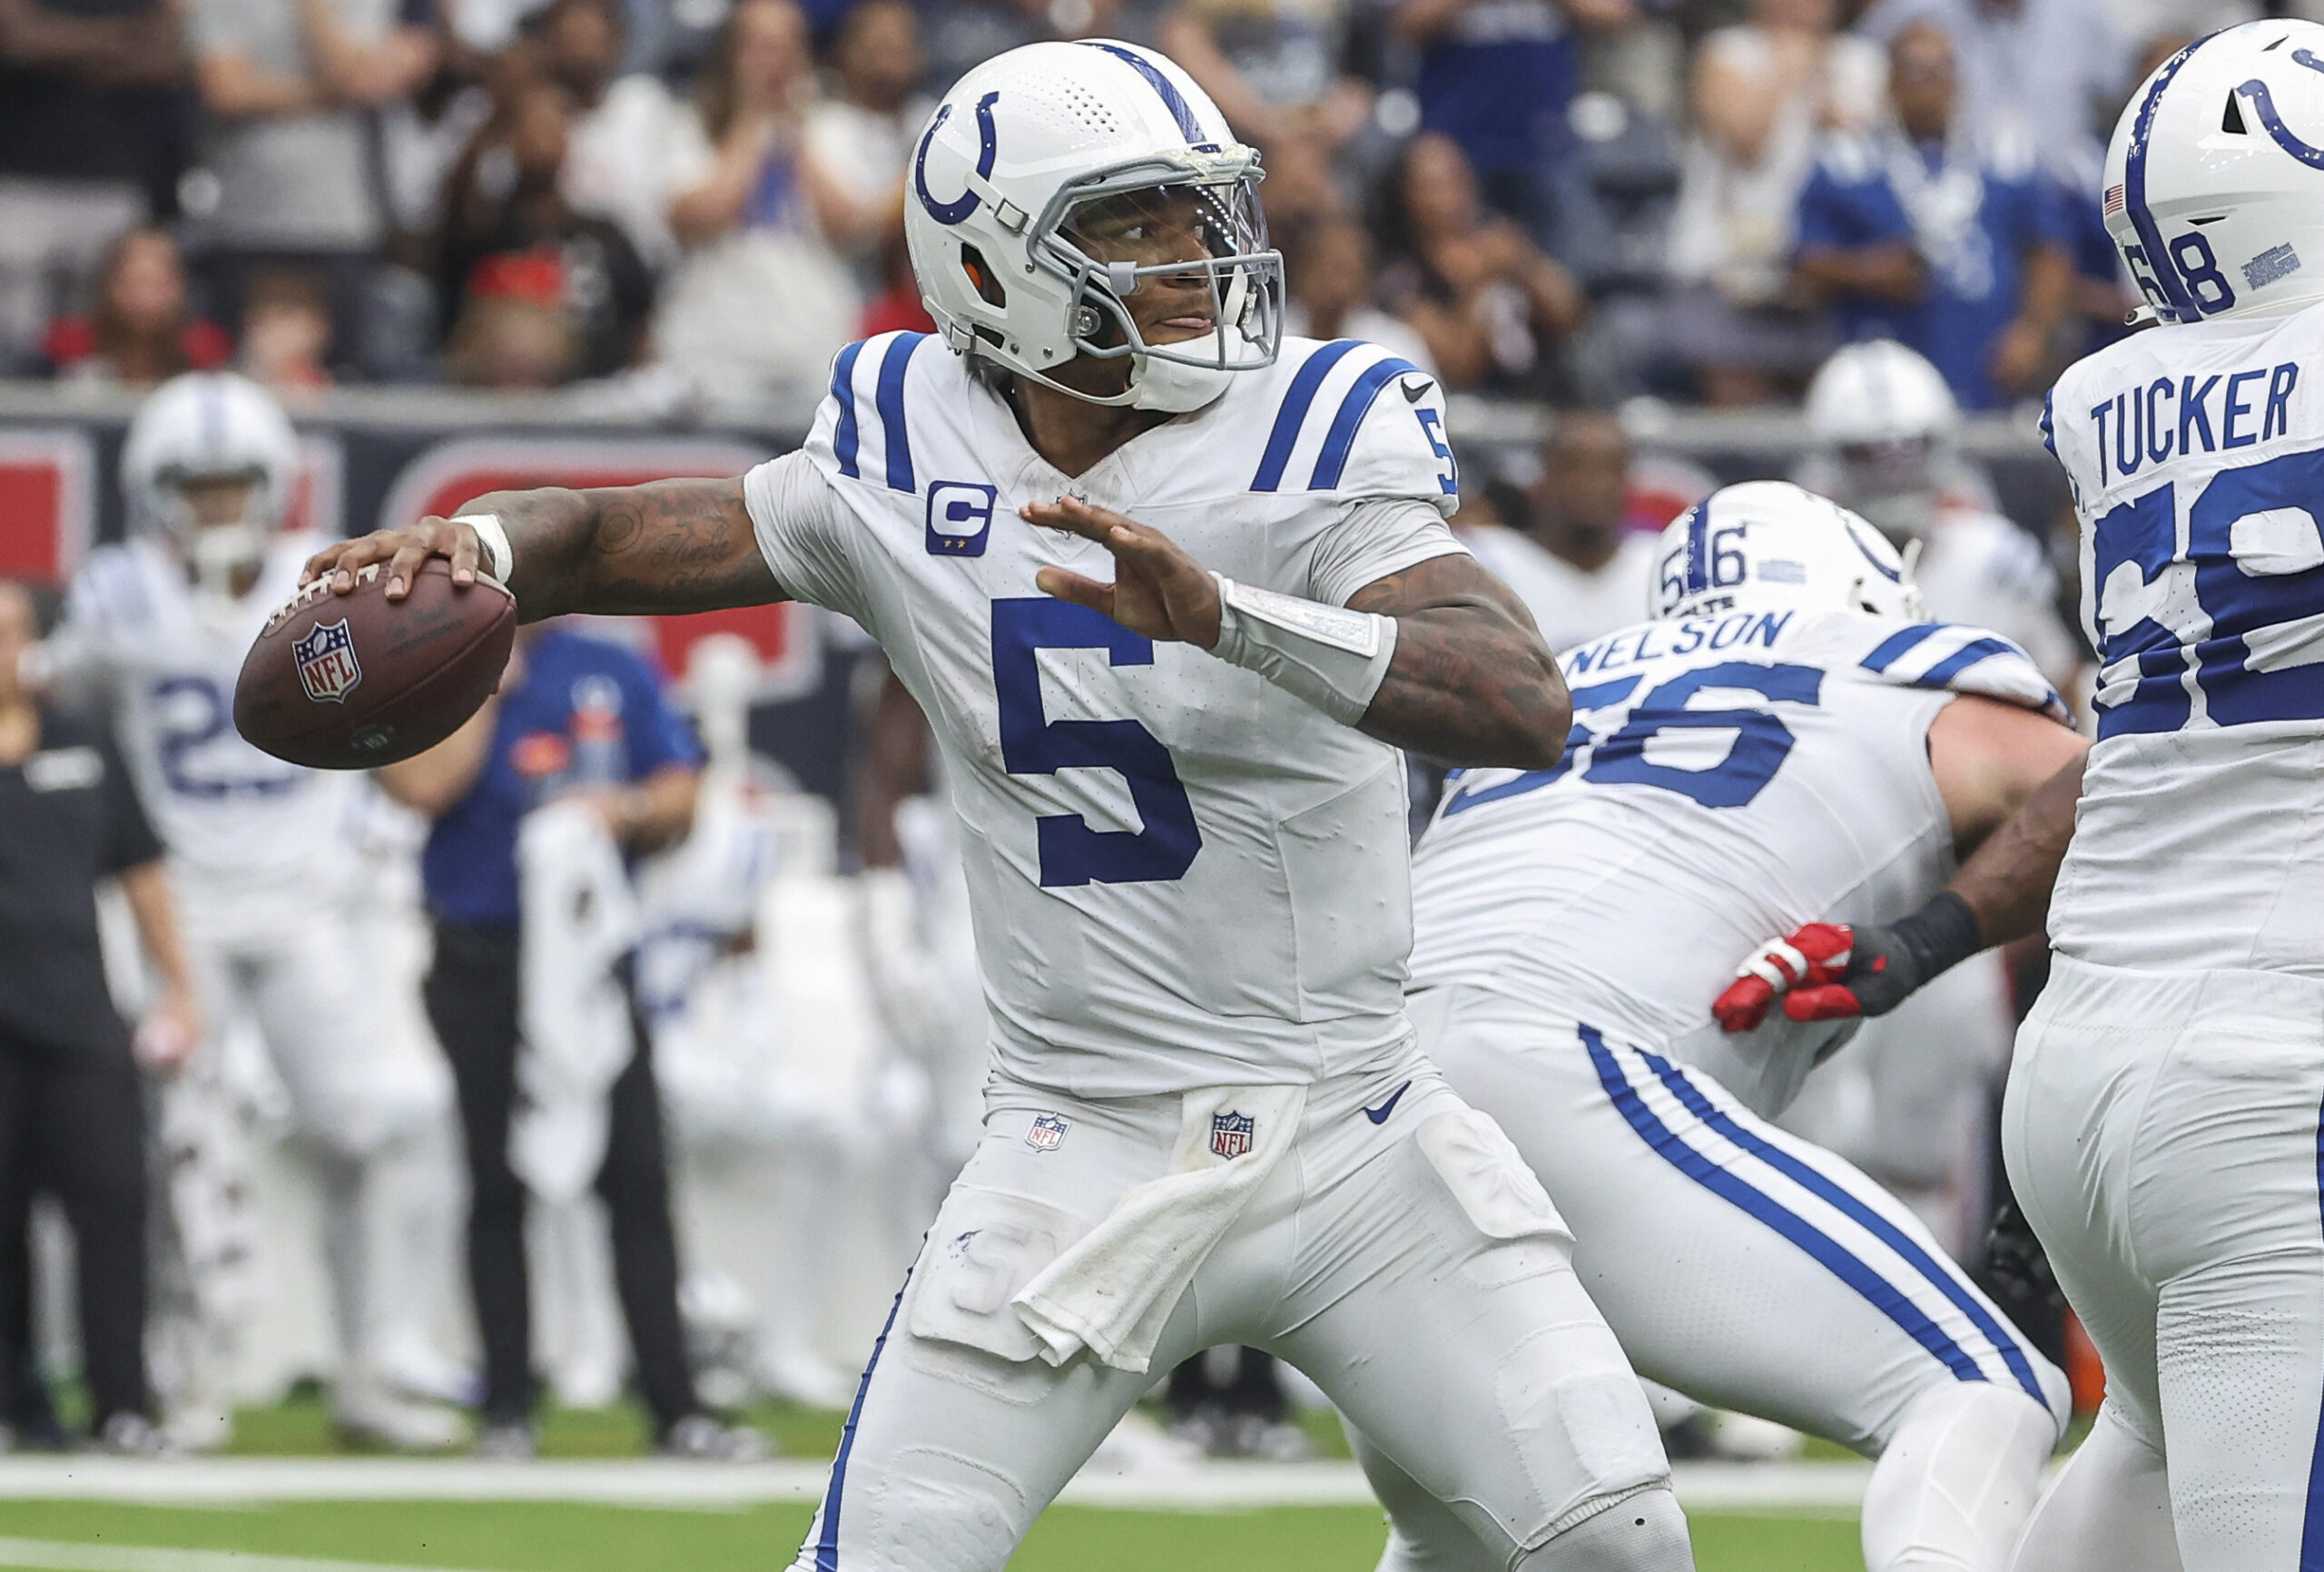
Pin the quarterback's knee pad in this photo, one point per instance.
(1957, 1480)
(1644, 1531)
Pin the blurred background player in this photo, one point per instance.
(1572, 559)
(579, 725)
(157, 628)
(1911, 1099)
(72, 1112)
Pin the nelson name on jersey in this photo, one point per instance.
(1653, 641)
(2164, 418)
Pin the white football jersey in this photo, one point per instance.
(2196, 455)
(164, 657)
(1181, 875)
(1729, 777)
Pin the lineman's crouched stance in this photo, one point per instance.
(1786, 738)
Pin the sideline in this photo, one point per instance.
(1217, 1487)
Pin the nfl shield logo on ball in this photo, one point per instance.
(1230, 1133)
(326, 658)
(1048, 1132)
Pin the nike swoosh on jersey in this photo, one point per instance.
(1379, 1115)
(1414, 394)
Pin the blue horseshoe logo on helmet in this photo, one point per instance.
(2264, 102)
(960, 206)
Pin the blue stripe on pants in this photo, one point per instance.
(827, 1546)
(2311, 1534)
(1731, 1187)
(1958, 1293)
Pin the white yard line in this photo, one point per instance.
(1210, 1487)
(66, 1555)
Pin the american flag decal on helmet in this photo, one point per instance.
(2114, 201)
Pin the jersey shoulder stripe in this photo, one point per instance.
(1964, 659)
(853, 416)
(1321, 418)
(1292, 414)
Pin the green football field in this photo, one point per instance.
(493, 1537)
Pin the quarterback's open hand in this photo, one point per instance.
(403, 550)
(1826, 971)
(1157, 590)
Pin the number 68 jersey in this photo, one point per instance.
(1180, 875)
(1728, 777)
(2196, 455)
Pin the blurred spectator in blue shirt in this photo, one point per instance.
(575, 717)
(1497, 76)
(1925, 232)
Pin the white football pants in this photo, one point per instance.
(1753, 1271)
(376, 1110)
(2161, 1133)
(1477, 1363)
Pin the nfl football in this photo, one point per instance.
(348, 682)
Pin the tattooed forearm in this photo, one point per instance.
(1471, 683)
(672, 546)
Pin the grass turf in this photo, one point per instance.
(491, 1536)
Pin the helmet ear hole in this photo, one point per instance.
(981, 275)
(2230, 119)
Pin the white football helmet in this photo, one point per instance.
(1051, 181)
(1771, 545)
(2214, 182)
(1883, 418)
(210, 426)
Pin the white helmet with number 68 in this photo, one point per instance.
(2214, 182)
(1771, 546)
(209, 463)
(1051, 182)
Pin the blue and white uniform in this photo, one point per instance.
(1192, 902)
(2161, 1125)
(267, 878)
(1730, 775)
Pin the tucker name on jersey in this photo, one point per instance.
(1182, 875)
(2196, 454)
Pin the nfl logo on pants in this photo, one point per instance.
(1230, 1133)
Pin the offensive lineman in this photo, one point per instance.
(157, 627)
(1183, 815)
(1787, 737)
(2162, 1121)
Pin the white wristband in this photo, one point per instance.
(494, 539)
(1334, 658)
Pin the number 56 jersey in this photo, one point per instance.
(1180, 875)
(1728, 777)
(2196, 455)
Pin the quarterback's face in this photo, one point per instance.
(1157, 227)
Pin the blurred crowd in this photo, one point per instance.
(697, 202)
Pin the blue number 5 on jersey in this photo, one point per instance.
(1032, 745)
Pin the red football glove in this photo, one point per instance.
(1830, 971)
